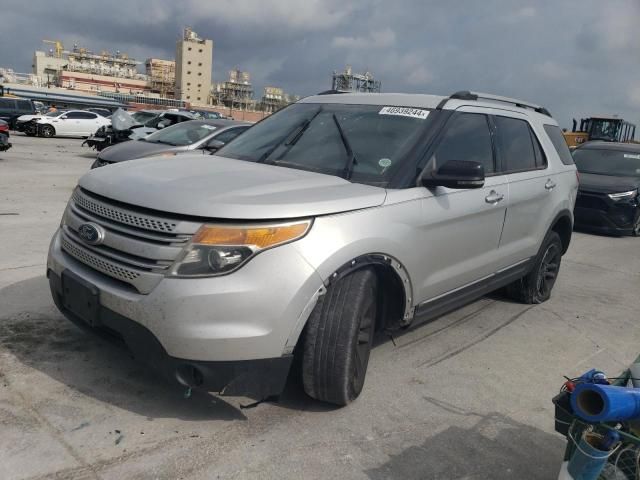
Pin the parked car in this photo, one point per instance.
(332, 218)
(105, 112)
(163, 120)
(122, 126)
(29, 123)
(206, 135)
(4, 136)
(72, 123)
(608, 200)
(12, 108)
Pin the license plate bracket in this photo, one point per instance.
(81, 298)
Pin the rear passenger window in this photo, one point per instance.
(556, 137)
(24, 105)
(467, 138)
(515, 144)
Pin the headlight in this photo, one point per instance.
(220, 249)
(624, 195)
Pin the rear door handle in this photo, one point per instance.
(550, 185)
(493, 197)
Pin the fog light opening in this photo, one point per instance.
(189, 376)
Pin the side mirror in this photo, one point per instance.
(161, 125)
(63, 117)
(214, 145)
(456, 174)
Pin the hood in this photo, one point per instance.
(26, 118)
(134, 149)
(141, 132)
(591, 182)
(218, 187)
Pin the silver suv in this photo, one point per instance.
(336, 217)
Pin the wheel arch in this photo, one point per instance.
(563, 226)
(396, 302)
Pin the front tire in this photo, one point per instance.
(338, 339)
(47, 131)
(536, 286)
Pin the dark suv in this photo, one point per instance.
(12, 108)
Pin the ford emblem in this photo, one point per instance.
(91, 233)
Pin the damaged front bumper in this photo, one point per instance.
(256, 378)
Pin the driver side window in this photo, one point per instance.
(467, 137)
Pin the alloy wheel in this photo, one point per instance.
(548, 270)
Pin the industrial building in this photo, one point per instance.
(194, 60)
(162, 76)
(84, 70)
(348, 81)
(237, 92)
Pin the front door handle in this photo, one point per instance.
(550, 185)
(493, 197)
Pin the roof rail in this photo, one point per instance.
(467, 95)
(331, 92)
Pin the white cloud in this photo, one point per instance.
(378, 39)
(552, 70)
(308, 15)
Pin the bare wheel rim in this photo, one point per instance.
(363, 343)
(47, 131)
(548, 270)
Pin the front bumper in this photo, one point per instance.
(598, 213)
(220, 333)
(259, 378)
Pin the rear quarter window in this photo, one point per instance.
(7, 104)
(25, 106)
(560, 144)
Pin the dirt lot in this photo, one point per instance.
(467, 396)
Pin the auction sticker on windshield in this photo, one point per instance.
(405, 112)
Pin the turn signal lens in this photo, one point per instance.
(217, 250)
(260, 237)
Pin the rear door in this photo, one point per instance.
(88, 123)
(531, 187)
(68, 123)
(462, 228)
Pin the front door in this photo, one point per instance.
(462, 228)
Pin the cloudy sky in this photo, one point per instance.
(574, 57)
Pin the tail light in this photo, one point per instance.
(4, 128)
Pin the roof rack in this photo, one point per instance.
(467, 95)
(331, 92)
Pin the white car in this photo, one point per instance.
(72, 123)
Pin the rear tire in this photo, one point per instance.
(338, 339)
(47, 131)
(536, 286)
(636, 228)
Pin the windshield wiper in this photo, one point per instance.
(291, 139)
(164, 142)
(351, 157)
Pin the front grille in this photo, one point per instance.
(122, 216)
(138, 248)
(97, 263)
(591, 201)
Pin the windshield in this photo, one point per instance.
(185, 133)
(607, 162)
(308, 136)
(604, 129)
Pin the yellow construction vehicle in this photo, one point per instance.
(608, 128)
